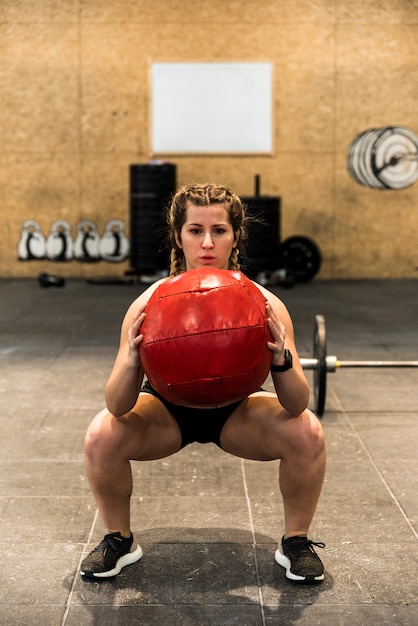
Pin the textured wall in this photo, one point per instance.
(75, 113)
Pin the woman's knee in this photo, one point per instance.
(100, 437)
(311, 435)
(134, 436)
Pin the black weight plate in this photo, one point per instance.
(301, 256)
(320, 371)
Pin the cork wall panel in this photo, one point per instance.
(33, 188)
(105, 185)
(372, 12)
(114, 83)
(143, 11)
(36, 11)
(271, 12)
(41, 187)
(305, 88)
(218, 12)
(384, 247)
(40, 106)
(377, 76)
(375, 232)
(75, 84)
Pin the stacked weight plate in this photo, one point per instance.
(151, 187)
(384, 158)
(263, 233)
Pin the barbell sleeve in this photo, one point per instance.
(332, 364)
(376, 364)
(313, 364)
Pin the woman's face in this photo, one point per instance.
(206, 238)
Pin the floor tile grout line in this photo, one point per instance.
(70, 594)
(379, 473)
(257, 569)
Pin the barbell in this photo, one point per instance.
(322, 364)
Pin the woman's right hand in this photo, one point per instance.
(134, 335)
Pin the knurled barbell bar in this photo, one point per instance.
(322, 364)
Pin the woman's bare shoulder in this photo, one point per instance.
(143, 297)
(271, 297)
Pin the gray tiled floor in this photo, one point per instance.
(208, 523)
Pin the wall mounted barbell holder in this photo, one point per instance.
(322, 364)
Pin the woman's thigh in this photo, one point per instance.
(147, 432)
(261, 429)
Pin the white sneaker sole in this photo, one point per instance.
(126, 559)
(282, 560)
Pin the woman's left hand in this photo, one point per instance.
(278, 332)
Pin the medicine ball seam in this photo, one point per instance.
(203, 332)
(195, 380)
(199, 290)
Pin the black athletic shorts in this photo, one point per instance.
(201, 425)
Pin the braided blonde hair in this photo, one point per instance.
(205, 194)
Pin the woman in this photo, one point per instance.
(207, 228)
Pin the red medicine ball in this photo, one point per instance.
(205, 338)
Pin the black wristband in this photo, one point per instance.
(286, 365)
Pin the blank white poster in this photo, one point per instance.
(211, 108)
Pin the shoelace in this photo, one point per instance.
(318, 544)
(305, 544)
(108, 541)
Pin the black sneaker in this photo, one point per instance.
(109, 557)
(300, 560)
